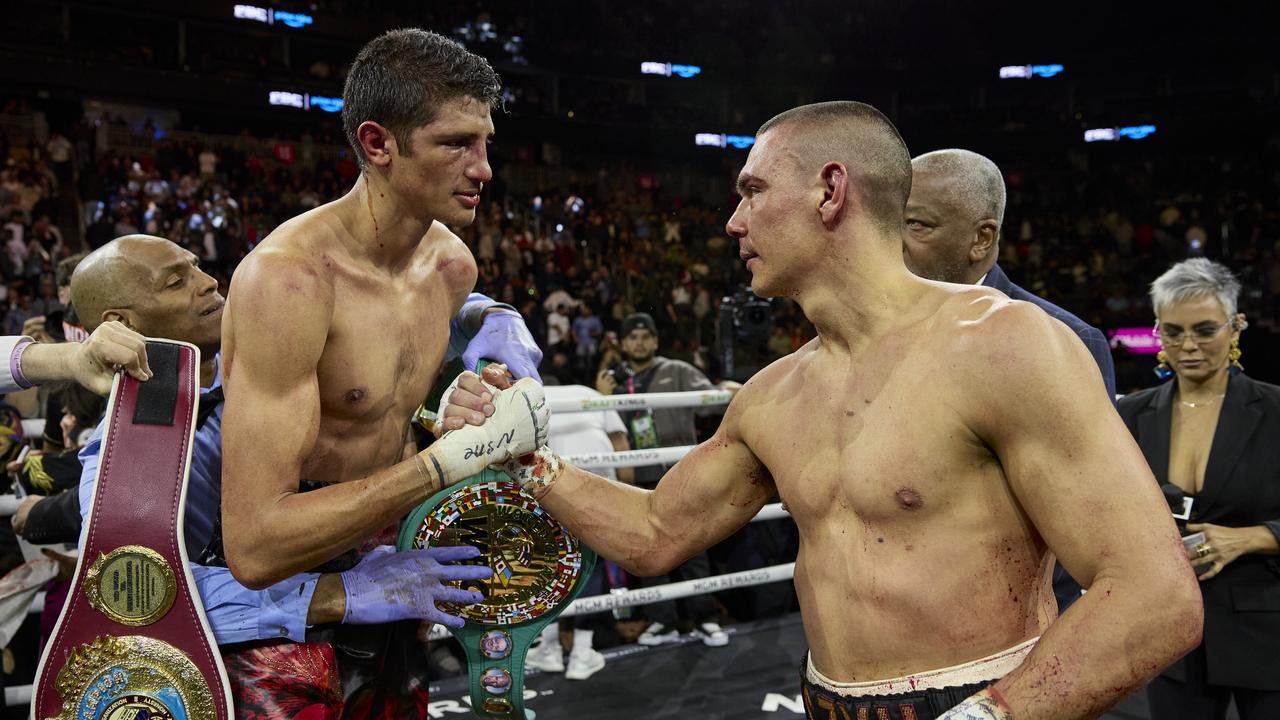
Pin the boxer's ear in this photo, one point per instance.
(377, 143)
(835, 193)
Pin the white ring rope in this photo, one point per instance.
(677, 590)
(20, 695)
(630, 458)
(620, 598)
(598, 603)
(643, 401)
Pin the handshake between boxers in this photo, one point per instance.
(487, 420)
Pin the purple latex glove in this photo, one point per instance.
(387, 585)
(503, 337)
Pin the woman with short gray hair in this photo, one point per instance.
(1212, 438)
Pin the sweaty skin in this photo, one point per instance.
(919, 549)
(365, 355)
(334, 333)
(936, 445)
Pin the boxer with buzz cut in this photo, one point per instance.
(937, 446)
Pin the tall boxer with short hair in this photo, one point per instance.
(936, 444)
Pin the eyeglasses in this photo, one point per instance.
(1202, 333)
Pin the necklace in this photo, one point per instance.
(1203, 402)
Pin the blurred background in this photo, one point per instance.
(1130, 135)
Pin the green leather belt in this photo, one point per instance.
(538, 568)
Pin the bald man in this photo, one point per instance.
(954, 216)
(935, 449)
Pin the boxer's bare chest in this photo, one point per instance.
(387, 339)
(881, 441)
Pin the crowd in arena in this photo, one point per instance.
(1089, 246)
(576, 246)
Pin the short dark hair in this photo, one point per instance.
(65, 268)
(868, 144)
(401, 77)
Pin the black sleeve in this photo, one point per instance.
(55, 519)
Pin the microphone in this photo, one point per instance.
(1179, 502)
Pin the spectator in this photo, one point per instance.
(586, 333)
(646, 371)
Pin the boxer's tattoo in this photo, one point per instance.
(983, 706)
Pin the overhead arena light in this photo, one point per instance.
(720, 140)
(668, 69)
(1029, 71)
(271, 16)
(1131, 132)
(304, 101)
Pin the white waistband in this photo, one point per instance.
(992, 667)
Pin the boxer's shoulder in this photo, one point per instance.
(450, 258)
(774, 381)
(284, 269)
(980, 317)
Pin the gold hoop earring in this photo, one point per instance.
(1162, 370)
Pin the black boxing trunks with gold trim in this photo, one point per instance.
(923, 696)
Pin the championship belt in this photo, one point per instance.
(132, 640)
(538, 568)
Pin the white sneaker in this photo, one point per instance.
(657, 634)
(547, 657)
(583, 664)
(712, 635)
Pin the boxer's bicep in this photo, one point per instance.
(1076, 474)
(714, 490)
(278, 321)
(1068, 458)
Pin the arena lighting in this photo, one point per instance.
(304, 101)
(271, 16)
(669, 69)
(1132, 132)
(1137, 340)
(1029, 71)
(720, 140)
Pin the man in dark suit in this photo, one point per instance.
(953, 235)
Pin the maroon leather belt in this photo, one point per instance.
(132, 640)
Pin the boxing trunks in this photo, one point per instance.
(922, 696)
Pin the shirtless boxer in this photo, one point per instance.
(936, 445)
(336, 325)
